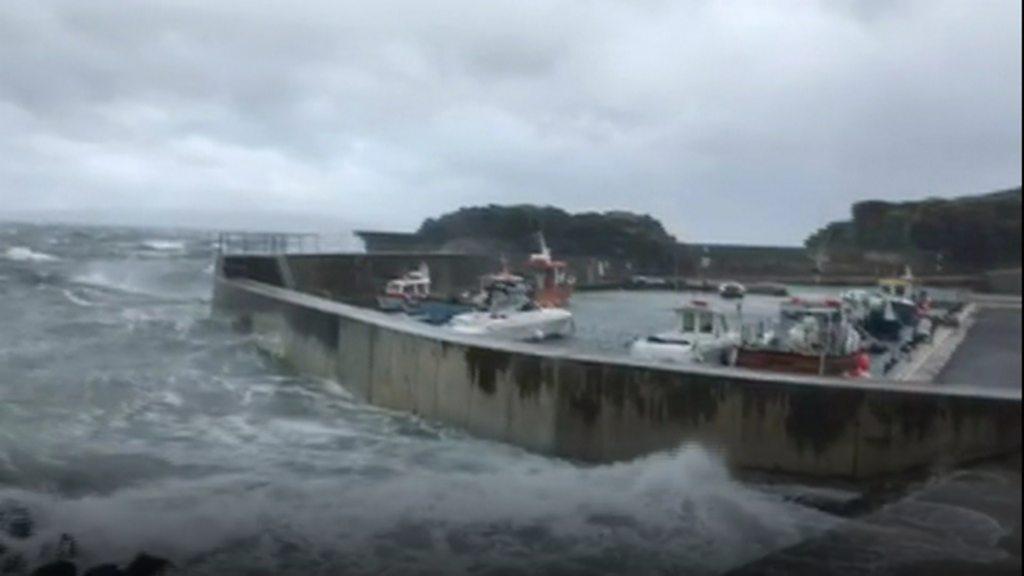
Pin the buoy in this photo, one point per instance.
(862, 368)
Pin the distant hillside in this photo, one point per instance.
(493, 228)
(970, 232)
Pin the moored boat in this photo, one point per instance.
(810, 337)
(510, 312)
(731, 290)
(895, 309)
(553, 285)
(402, 294)
(702, 335)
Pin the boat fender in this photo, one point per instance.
(863, 366)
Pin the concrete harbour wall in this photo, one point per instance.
(601, 409)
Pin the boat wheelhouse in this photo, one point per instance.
(553, 285)
(703, 334)
(402, 294)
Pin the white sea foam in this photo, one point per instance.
(679, 509)
(24, 254)
(162, 245)
(76, 299)
(100, 279)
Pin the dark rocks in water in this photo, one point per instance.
(15, 520)
(143, 565)
(104, 570)
(67, 547)
(58, 568)
(146, 565)
(12, 564)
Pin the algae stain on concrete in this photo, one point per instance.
(528, 372)
(817, 420)
(484, 365)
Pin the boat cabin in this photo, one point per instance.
(700, 319)
(816, 325)
(414, 284)
(552, 283)
(897, 287)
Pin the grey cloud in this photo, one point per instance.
(730, 121)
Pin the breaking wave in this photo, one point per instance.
(24, 254)
(76, 299)
(164, 245)
(508, 511)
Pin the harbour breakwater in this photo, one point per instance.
(589, 407)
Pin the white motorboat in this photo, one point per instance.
(406, 292)
(703, 335)
(731, 290)
(511, 313)
(535, 324)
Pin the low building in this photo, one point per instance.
(377, 242)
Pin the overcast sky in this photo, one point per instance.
(729, 121)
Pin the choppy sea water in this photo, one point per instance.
(132, 422)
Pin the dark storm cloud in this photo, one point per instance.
(745, 121)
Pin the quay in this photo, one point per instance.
(306, 310)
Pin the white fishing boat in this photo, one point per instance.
(703, 335)
(402, 294)
(731, 290)
(511, 313)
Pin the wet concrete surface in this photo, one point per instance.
(990, 355)
(963, 522)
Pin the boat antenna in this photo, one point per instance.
(544, 251)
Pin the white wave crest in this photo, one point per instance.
(24, 254)
(76, 299)
(160, 245)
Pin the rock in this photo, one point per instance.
(146, 565)
(58, 568)
(13, 564)
(104, 570)
(67, 548)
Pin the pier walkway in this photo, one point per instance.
(990, 355)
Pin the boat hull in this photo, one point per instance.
(794, 363)
(644, 349)
(532, 325)
(438, 312)
(554, 296)
(677, 352)
(387, 303)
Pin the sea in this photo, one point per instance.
(130, 421)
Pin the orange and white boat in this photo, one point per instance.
(552, 283)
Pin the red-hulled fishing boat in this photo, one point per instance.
(810, 337)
